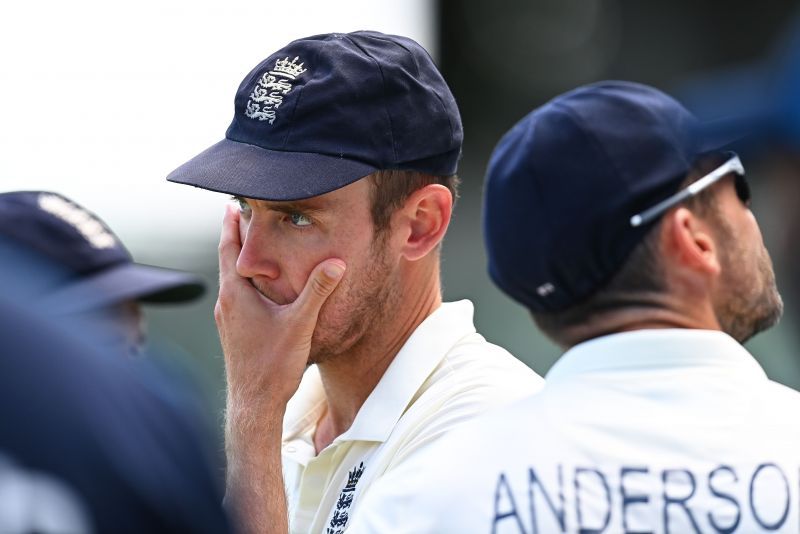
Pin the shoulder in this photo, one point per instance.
(474, 362)
(473, 378)
(783, 395)
(449, 484)
(464, 356)
(778, 407)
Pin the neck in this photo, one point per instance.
(654, 311)
(351, 377)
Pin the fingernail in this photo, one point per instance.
(334, 270)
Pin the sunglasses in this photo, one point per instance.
(733, 165)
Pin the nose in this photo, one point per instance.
(255, 259)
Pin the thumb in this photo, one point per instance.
(321, 283)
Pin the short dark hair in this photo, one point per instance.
(391, 188)
(641, 273)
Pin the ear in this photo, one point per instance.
(426, 216)
(691, 242)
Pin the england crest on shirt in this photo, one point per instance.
(341, 513)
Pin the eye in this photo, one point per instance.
(244, 207)
(298, 219)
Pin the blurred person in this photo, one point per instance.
(760, 102)
(98, 282)
(628, 236)
(341, 358)
(87, 442)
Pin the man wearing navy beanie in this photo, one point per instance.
(626, 231)
(341, 157)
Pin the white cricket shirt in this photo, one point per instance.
(654, 431)
(445, 374)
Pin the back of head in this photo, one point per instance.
(563, 192)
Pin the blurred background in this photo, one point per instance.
(100, 100)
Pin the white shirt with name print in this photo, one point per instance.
(444, 375)
(653, 431)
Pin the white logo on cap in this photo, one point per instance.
(267, 96)
(89, 227)
(546, 289)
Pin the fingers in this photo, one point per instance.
(321, 282)
(229, 245)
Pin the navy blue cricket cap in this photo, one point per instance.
(328, 110)
(564, 182)
(92, 269)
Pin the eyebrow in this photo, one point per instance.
(288, 207)
(294, 207)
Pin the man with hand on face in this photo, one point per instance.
(628, 235)
(342, 157)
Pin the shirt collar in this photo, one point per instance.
(415, 362)
(656, 349)
(305, 407)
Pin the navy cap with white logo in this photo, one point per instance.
(95, 269)
(328, 110)
(565, 182)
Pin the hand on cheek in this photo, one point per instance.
(266, 345)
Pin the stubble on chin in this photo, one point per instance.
(748, 311)
(363, 316)
(363, 310)
(769, 305)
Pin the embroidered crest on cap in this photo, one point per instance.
(90, 228)
(267, 96)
